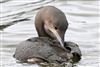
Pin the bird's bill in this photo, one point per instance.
(57, 36)
(50, 27)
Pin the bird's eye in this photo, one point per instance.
(56, 28)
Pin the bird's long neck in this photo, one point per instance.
(40, 29)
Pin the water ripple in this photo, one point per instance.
(83, 19)
(17, 12)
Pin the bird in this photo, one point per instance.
(50, 46)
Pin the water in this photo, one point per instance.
(83, 17)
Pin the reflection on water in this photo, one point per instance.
(83, 18)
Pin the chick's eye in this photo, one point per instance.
(56, 28)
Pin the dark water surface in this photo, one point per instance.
(83, 17)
